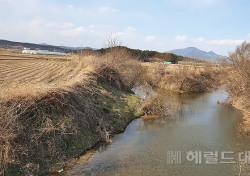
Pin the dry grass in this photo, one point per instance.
(53, 126)
(181, 79)
(51, 110)
(241, 168)
(164, 106)
(121, 61)
(238, 82)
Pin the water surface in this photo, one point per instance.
(202, 125)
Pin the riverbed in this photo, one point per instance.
(201, 139)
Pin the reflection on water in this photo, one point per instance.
(201, 125)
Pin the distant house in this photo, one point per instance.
(28, 51)
(45, 52)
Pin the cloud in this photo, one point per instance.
(224, 42)
(74, 31)
(149, 38)
(133, 39)
(195, 5)
(181, 38)
(184, 38)
(43, 30)
(130, 29)
(248, 35)
(20, 7)
(128, 32)
(41, 26)
(14, 2)
(206, 1)
(200, 39)
(195, 2)
(71, 7)
(107, 9)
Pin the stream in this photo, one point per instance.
(201, 139)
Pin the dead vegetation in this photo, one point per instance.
(40, 130)
(53, 110)
(238, 81)
(182, 79)
(119, 60)
(164, 106)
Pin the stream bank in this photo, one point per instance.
(202, 125)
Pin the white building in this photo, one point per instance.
(28, 51)
(45, 52)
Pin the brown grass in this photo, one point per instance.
(120, 59)
(163, 106)
(181, 79)
(238, 82)
(53, 110)
(53, 126)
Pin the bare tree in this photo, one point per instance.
(241, 62)
(113, 41)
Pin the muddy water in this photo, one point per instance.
(145, 147)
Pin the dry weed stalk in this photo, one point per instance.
(161, 105)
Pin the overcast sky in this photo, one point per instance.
(161, 25)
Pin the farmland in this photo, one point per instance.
(30, 75)
(31, 71)
(17, 68)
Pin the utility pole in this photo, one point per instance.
(81, 50)
(78, 54)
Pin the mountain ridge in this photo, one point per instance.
(196, 53)
(42, 46)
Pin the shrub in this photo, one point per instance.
(239, 77)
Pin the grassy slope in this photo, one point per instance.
(45, 122)
(61, 124)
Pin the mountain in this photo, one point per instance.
(21, 45)
(70, 47)
(196, 53)
(41, 46)
(76, 48)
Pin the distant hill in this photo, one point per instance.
(76, 48)
(70, 47)
(41, 46)
(21, 45)
(197, 54)
(151, 56)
